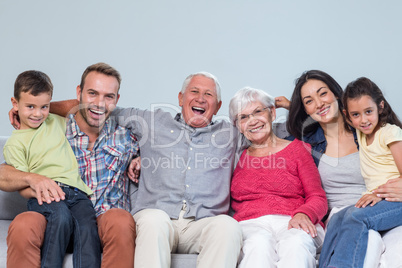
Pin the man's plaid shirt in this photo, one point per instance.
(103, 168)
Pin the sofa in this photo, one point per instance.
(11, 204)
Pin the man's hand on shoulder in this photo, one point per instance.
(14, 118)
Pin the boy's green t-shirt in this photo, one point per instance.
(45, 151)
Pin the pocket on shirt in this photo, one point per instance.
(112, 156)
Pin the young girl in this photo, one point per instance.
(380, 139)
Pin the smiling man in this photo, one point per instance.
(199, 100)
(183, 194)
(103, 150)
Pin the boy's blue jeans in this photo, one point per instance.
(345, 242)
(73, 218)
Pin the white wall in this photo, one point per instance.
(155, 44)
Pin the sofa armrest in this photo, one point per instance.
(11, 204)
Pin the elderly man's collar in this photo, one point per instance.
(179, 118)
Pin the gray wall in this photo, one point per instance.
(155, 44)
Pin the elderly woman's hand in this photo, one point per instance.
(391, 190)
(302, 221)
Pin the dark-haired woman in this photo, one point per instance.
(316, 117)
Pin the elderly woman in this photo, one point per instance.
(276, 190)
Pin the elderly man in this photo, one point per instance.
(184, 190)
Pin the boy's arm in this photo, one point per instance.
(27, 193)
(12, 180)
(64, 108)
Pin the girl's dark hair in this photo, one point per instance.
(365, 87)
(299, 123)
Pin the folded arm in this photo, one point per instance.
(40, 187)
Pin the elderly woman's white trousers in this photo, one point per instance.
(267, 242)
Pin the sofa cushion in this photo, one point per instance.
(11, 204)
(3, 246)
(3, 140)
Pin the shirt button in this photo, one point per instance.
(189, 168)
(191, 149)
(171, 131)
(187, 185)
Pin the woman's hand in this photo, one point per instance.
(390, 191)
(282, 102)
(367, 199)
(302, 221)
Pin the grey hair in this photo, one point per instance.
(207, 75)
(244, 97)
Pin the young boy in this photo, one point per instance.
(40, 146)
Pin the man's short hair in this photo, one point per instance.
(102, 68)
(207, 75)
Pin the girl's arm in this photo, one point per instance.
(392, 190)
(368, 199)
(396, 150)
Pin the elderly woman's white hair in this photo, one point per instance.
(207, 75)
(244, 97)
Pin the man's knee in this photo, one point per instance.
(154, 225)
(116, 229)
(24, 240)
(225, 228)
(116, 221)
(152, 217)
(223, 222)
(28, 227)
